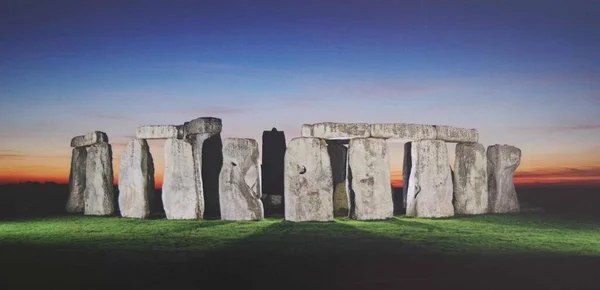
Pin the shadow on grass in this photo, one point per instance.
(286, 255)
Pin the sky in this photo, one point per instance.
(524, 73)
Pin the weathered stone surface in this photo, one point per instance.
(308, 182)
(208, 161)
(330, 130)
(430, 183)
(454, 134)
(470, 179)
(159, 132)
(273, 153)
(202, 125)
(338, 156)
(76, 203)
(89, 139)
(371, 184)
(239, 187)
(99, 190)
(179, 192)
(136, 180)
(502, 161)
(413, 132)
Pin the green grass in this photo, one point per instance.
(100, 248)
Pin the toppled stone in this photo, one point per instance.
(179, 193)
(159, 132)
(330, 130)
(429, 192)
(136, 180)
(208, 161)
(202, 125)
(239, 181)
(273, 153)
(99, 190)
(413, 132)
(455, 134)
(338, 155)
(89, 139)
(308, 182)
(76, 202)
(502, 161)
(370, 185)
(470, 179)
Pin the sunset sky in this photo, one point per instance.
(524, 73)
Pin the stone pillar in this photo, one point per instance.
(406, 166)
(75, 202)
(99, 189)
(179, 193)
(502, 161)
(239, 181)
(204, 135)
(338, 155)
(370, 184)
(136, 180)
(308, 184)
(470, 179)
(429, 192)
(273, 153)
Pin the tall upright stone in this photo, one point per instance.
(75, 202)
(370, 186)
(429, 192)
(239, 179)
(308, 184)
(470, 179)
(338, 156)
(180, 192)
(502, 161)
(273, 153)
(99, 190)
(136, 180)
(406, 166)
(205, 136)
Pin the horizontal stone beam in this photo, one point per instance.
(202, 125)
(89, 139)
(412, 132)
(329, 130)
(455, 134)
(159, 132)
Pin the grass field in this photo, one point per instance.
(526, 251)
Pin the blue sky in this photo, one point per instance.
(525, 74)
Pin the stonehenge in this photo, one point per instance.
(239, 181)
(502, 160)
(331, 170)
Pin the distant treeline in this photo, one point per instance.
(34, 199)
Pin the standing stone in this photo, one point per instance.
(370, 185)
(273, 153)
(430, 183)
(502, 160)
(204, 135)
(470, 179)
(338, 155)
(179, 192)
(136, 180)
(99, 190)
(76, 203)
(308, 182)
(239, 181)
